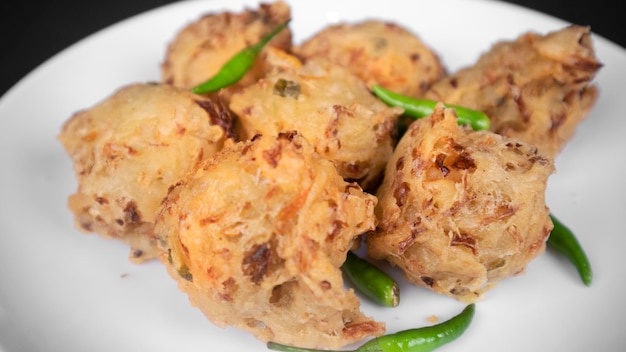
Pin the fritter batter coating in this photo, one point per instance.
(331, 107)
(129, 149)
(460, 210)
(256, 236)
(202, 47)
(381, 53)
(536, 88)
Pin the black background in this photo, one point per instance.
(32, 32)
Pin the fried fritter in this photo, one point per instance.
(201, 48)
(381, 53)
(256, 236)
(331, 107)
(460, 210)
(128, 149)
(536, 88)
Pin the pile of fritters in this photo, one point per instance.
(252, 196)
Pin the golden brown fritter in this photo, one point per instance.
(256, 236)
(536, 88)
(381, 53)
(129, 149)
(201, 48)
(331, 107)
(460, 210)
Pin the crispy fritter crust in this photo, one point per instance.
(381, 53)
(201, 48)
(256, 235)
(536, 88)
(331, 107)
(129, 149)
(460, 210)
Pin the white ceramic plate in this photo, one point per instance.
(61, 290)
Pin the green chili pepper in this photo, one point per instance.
(563, 240)
(235, 68)
(422, 339)
(371, 281)
(418, 108)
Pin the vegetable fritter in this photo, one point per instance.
(202, 47)
(460, 210)
(255, 236)
(380, 52)
(128, 149)
(331, 107)
(536, 88)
